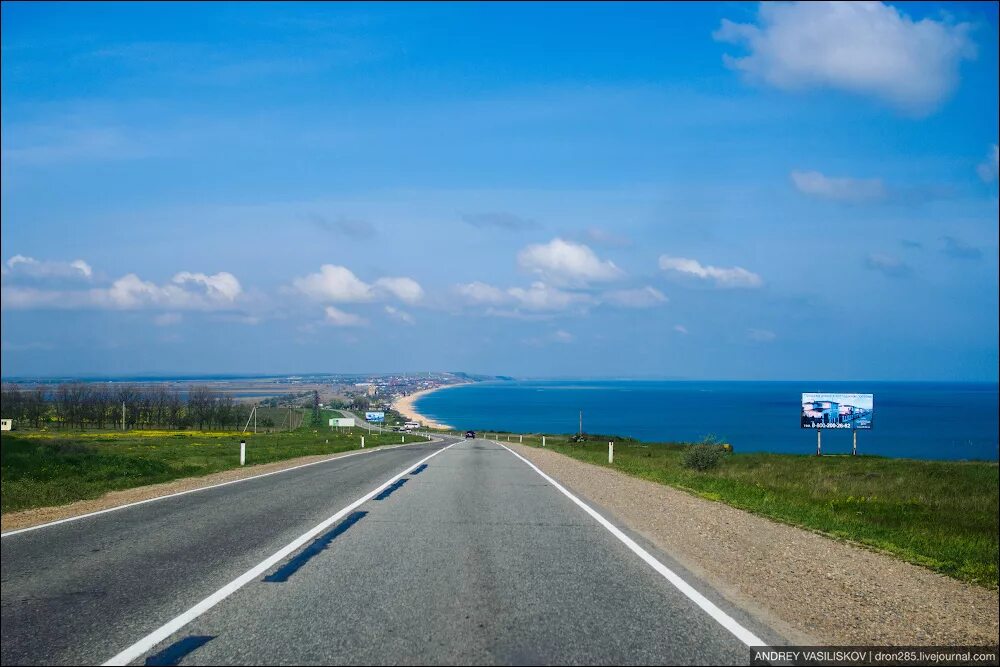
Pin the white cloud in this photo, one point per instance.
(338, 284)
(761, 335)
(187, 291)
(223, 286)
(339, 318)
(562, 336)
(854, 190)
(19, 265)
(990, 167)
(542, 297)
(400, 315)
(643, 297)
(868, 48)
(537, 297)
(733, 277)
(481, 293)
(680, 328)
(407, 290)
(567, 263)
(334, 283)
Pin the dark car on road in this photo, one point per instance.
(470, 434)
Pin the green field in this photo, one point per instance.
(40, 469)
(940, 514)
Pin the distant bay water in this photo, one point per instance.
(912, 419)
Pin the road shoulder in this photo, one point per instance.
(807, 585)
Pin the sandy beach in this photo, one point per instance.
(404, 406)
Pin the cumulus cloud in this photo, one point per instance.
(223, 286)
(730, 278)
(407, 290)
(505, 221)
(339, 318)
(854, 190)
(566, 263)
(400, 315)
(338, 284)
(186, 291)
(989, 168)
(868, 48)
(542, 297)
(21, 266)
(887, 264)
(680, 328)
(643, 297)
(334, 283)
(130, 291)
(538, 297)
(481, 293)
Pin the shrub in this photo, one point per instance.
(703, 457)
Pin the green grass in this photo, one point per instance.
(40, 469)
(940, 514)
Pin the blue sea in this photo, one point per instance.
(921, 420)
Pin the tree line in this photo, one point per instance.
(91, 405)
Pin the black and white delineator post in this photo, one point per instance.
(243, 452)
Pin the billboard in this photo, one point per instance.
(377, 417)
(342, 421)
(837, 410)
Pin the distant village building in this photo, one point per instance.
(6, 424)
(372, 391)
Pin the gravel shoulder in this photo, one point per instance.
(33, 517)
(812, 588)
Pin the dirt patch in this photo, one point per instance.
(813, 586)
(40, 515)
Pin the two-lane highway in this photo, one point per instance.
(468, 555)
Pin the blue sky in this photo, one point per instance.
(729, 190)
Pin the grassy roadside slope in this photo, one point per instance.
(940, 514)
(42, 469)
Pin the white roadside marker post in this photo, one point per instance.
(543, 441)
(362, 442)
(520, 439)
(611, 452)
(402, 438)
(243, 452)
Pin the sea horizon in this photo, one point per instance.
(950, 420)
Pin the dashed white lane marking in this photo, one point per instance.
(137, 649)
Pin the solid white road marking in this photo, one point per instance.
(137, 649)
(721, 617)
(334, 457)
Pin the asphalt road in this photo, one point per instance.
(469, 558)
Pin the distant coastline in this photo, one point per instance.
(406, 407)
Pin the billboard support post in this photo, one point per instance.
(819, 442)
(854, 448)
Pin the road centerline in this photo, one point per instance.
(149, 641)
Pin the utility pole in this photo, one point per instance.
(123, 415)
